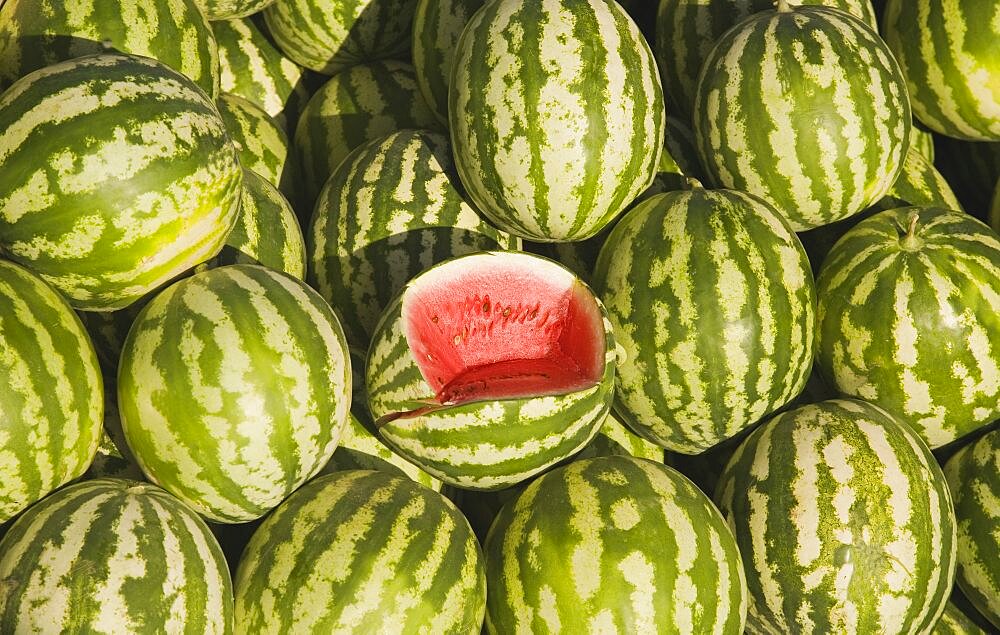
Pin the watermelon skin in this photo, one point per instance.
(848, 137)
(392, 209)
(974, 478)
(482, 445)
(266, 232)
(420, 569)
(230, 9)
(51, 395)
(844, 522)
(112, 555)
(261, 142)
(556, 115)
(233, 388)
(39, 33)
(253, 68)
(699, 373)
(919, 184)
(954, 622)
(686, 31)
(949, 55)
(437, 25)
(328, 36)
(911, 325)
(613, 544)
(356, 106)
(128, 208)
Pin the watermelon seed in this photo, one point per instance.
(486, 306)
(458, 339)
(506, 312)
(434, 319)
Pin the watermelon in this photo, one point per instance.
(266, 231)
(113, 556)
(229, 9)
(250, 66)
(974, 478)
(844, 522)
(328, 36)
(948, 52)
(481, 384)
(556, 115)
(362, 552)
(919, 184)
(819, 127)
(392, 209)
(922, 140)
(38, 33)
(116, 174)
(686, 31)
(233, 387)
(261, 142)
(613, 544)
(706, 355)
(955, 622)
(114, 459)
(908, 319)
(358, 105)
(437, 25)
(51, 400)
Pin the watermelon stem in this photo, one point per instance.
(910, 241)
(691, 183)
(782, 6)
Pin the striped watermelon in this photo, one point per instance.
(686, 31)
(844, 522)
(437, 26)
(908, 319)
(922, 140)
(358, 105)
(114, 459)
(974, 477)
(328, 36)
(723, 348)
(113, 556)
(948, 52)
(38, 33)
(613, 544)
(233, 387)
(260, 140)
(556, 115)
(250, 66)
(819, 128)
(955, 622)
(266, 231)
(491, 367)
(919, 184)
(229, 9)
(116, 174)
(51, 400)
(362, 552)
(392, 209)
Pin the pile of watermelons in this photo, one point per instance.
(524, 316)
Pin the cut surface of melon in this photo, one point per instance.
(503, 326)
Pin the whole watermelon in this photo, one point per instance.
(844, 522)
(233, 387)
(51, 395)
(116, 174)
(556, 115)
(908, 319)
(613, 544)
(712, 299)
(806, 108)
(113, 556)
(362, 552)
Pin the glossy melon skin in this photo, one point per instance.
(116, 175)
(844, 522)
